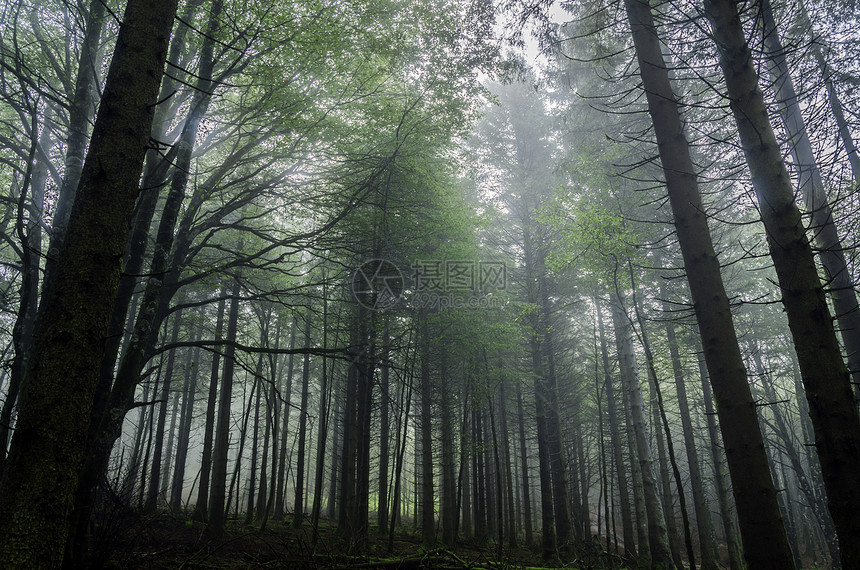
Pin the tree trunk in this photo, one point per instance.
(761, 525)
(252, 477)
(280, 489)
(627, 532)
(155, 474)
(428, 522)
(80, 114)
(707, 541)
(201, 508)
(184, 435)
(448, 503)
(825, 376)
(322, 426)
(38, 487)
(221, 447)
(298, 511)
(509, 480)
(823, 227)
(384, 412)
(527, 503)
(724, 489)
(658, 540)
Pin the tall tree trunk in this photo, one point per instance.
(252, 476)
(707, 541)
(298, 511)
(561, 502)
(658, 539)
(322, 424)
(201, 508)
(168, 451)
(627, 532)
(364, 365)
(346, 504)
(384, 413)
(830, 249)
(111, 403)
(825, 376)
(38, 487)
(721, 480)
(280, 489)
(83, 104)
(467, 502)
(398, 467)
(509, 479)
(182, 439)
(428, 519)
(527, 503)
(155, 474)
(761, 525)
(448, 503)
(221, 446)
(660, 421)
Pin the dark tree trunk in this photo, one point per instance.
(384, 414)
(761, 525)
(164, 397)
(825, 376)
(298, 511)
(322, 427)
(280, 489)
(658, 540)
(201, 508)
(221, 446)
(448, 503)
(252, 476)
(184, 435)
(527, 503)
(509, 480)
(38, 487)
(428, 520)
(707, 542)
(721, 480)
(81, 113)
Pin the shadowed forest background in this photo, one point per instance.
(428, 283)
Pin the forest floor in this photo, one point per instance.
(167, 540)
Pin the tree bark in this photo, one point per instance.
(155, 473)
(428, 522)
(37, 490)
(201, 508)
(221, 446)
(825, 376)
(658, 539)
(184, 435)
(707, 541)
(758, 512)
(830, 249)
(627, 532)
(298, 511)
